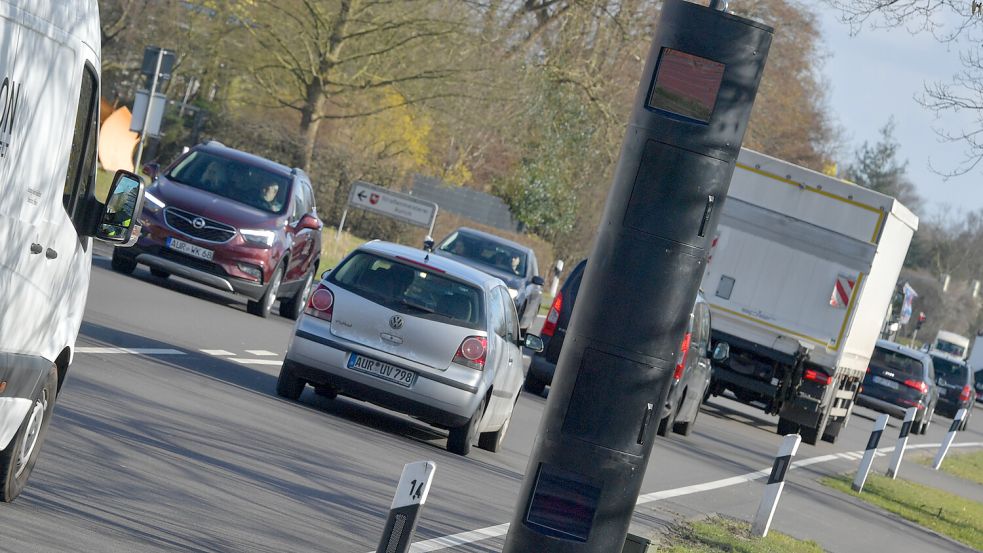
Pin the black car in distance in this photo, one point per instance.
(956, 386)
(897, 378)
(691, 377)
(510, 261)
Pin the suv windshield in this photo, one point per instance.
(411, 290)
(486, 252)
(237, 181)
(902, 365)
(952, 373)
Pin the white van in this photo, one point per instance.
(952, 344)
(49, 118)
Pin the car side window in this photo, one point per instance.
(511, 318)
(308, 194)
(82, 157)
(498, 317)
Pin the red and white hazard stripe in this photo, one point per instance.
(842, 291)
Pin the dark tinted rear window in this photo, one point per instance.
(900, 364)
(952, 372)
(412, 290)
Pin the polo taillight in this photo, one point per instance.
(549, 327)
(820, 378)
(683, 352)
(472, 352)
(917, 384)
(321, 303)
(966, 393)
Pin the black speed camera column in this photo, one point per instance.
(612, 377)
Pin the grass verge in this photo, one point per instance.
(723, 534)
(333, 248)
(950, 515)
(968, 466)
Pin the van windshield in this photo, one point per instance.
(950, 348)
(411, 290)
(246, 184)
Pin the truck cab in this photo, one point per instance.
(49, 215)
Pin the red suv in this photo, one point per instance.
(233, 221)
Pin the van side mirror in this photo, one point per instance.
(117, 220)
(721, 352)
(534, 343)
(538, 280)
(151, 170)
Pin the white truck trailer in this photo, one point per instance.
(800, 276)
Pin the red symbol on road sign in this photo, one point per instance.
(373, 198)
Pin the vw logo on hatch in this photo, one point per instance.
(198, 223)
(396, 322)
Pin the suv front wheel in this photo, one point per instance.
(262, 306)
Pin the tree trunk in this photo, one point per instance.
(310, 124)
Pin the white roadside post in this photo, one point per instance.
(949, 438)
(909, 418)
(875, 437)
(776, 483)
(411, 494)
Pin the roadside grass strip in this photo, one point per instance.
(948, 514)
(725, 534)
(968, 466)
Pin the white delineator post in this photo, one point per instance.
(949, 438)
(875, 437)
(776, 483)
(909, 418)
(411, 494)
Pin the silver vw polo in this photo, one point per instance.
(416, 333)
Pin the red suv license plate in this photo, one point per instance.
(382, 370)
(190, 249)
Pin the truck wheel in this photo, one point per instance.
(122, 264)
(18, 459)
(293, 307)
(461, 438)
(811, 435)
(533, 386)
(832, 432)
(262, 306)
(786, 427)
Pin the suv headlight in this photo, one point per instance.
(259, 237)
(153, 204)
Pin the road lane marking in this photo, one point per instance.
(261, 352)
(481, 534)
(257, 361)
(218, 352)
(131, 351)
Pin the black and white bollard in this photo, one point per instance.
(411, 494)
(776, 482)
(875, 437)
(960, 415)
(909, 418)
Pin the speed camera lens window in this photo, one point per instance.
(563, 504)
(686, 85)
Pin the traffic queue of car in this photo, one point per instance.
(435, 333)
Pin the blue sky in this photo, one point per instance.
(876, 74)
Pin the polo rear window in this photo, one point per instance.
(410, 289)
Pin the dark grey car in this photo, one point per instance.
(956, 386)
(691, 377)
(897, 378)
(510, 261)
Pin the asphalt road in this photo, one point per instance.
(180, 444)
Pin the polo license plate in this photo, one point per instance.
(190, 249)
(381, 370)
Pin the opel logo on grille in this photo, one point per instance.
(198, 223)
(396, 322)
